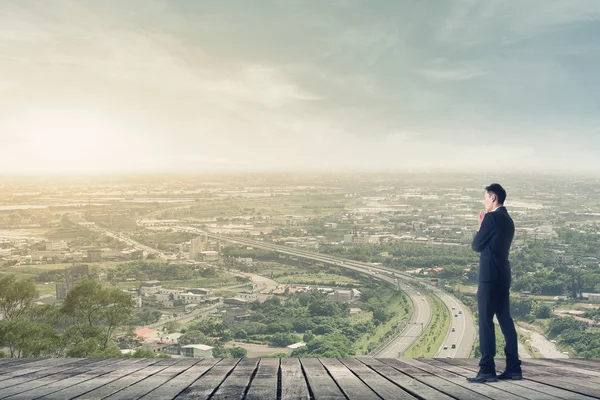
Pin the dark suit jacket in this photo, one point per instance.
(493, 242)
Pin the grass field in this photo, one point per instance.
(314, 279)
(396, 303)
(434, 335)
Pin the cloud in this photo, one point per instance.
(452, 74)
(297, 84)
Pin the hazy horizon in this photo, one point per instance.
(186, 86)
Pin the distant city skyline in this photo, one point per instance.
(140, 86)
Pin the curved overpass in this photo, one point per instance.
(461, 332)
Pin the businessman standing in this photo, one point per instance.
(492, 241)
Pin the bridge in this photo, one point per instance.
(460, 337)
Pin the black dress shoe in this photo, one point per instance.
(511, 375)
(482, 378)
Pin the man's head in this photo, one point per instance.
(494, 196)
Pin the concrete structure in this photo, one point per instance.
(73, 275)
(357, 238)
(235, 315)
(197, 351)
(344, 295)
(249, 296)
(295, 346)
(150, 287)
(198, 245)
(189, 298)
(594, 298)
(208, 256)
(135, 296)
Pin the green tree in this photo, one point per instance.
(16, 296)
(238, 352)
(543, 311)
(192, 337)
(96, 311)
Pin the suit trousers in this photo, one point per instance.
(493, 299)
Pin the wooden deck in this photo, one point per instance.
(290, 378)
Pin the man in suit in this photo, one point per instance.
(492, 241)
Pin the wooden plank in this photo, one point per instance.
(382, 386)
(208, 383)
(489, 390)
(320, 384)
(40, 378)
(545, 391)
(238, 382)
(178, 384)
(507, 386)
(38, 366)
(128, 380)
(573, 384)
(415, 386)
(293, 383)
(264, 384)
(113, 373)
(566, 369)
(66, 379)
(145, 386)
(570, 362)
(351, 385)
(13, 363)
(434, 378)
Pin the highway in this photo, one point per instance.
(464, 332)
(419, 321)
(464, 329)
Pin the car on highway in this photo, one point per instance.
(456, 315)
(453, 345)
(460, 311)
(453, 329)
(445, 347)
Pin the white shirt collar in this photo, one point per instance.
(497, 208)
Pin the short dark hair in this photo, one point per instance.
(498, 190)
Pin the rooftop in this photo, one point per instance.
(290, 378)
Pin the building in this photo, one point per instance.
(294, 346)
(150, 287)
(235, 315)
(198, 245)
(132, 254)
(135, 296)
(208, 256)
(344, 295)
(73, 275)
(189, 298)
(594, 298)
(247, 296)
(357, 238)
(197, 351)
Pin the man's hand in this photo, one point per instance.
(481, 217)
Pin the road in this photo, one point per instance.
(546, 348)
(465, 330)
(419, 321)
(462, 329)
(131, 242)
(421, 308)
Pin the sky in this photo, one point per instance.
(278, 85)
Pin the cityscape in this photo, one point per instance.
(211, 261)
(285, 199)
